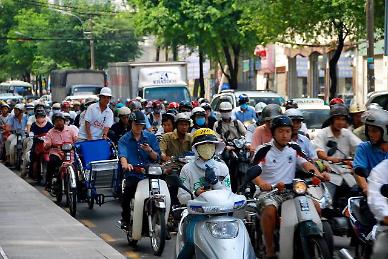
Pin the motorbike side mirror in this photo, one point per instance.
(384, 190)
(174, 181)
(252, 173)
(331, 151)
(332, 144)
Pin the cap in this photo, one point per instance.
(138, 117)
(105, 91)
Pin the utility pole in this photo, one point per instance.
(92, 52)
(370, 52)
(386, 28)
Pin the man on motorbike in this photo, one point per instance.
(98, 118)
(278, 161)
(244, 112)
(378, 204)
(201, 175)
(55, 138)
(137, 148)
(251, 128)
(305, 144)
(16, 123)
(210, 119)
(122, 126)
(199, 120)
(337, 132)
(370, 153)
(178, 142)
(263, 133)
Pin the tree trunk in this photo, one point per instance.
(174, 52)
(232, 65)
(201, 79)
(334, 60)
(166, 53)
(157, 57)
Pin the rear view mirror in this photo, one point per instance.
(384, 190)
(331, 151)
(332, 144)
(252, 173)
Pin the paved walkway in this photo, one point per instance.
(32, 226)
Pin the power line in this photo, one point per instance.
(63, 39)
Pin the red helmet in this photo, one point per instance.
(156, 104)
(195, 104)
(66, 104)
(173, 105)
(336, 100)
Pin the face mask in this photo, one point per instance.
(200, 121)
(56, 111)
(206, 151)
(226, 115)
(244, 106)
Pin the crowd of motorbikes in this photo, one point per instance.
(230, 224)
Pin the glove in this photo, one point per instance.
(210, 175)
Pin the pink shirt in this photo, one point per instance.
(55, 138)
(261, 136)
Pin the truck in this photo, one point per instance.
(150, 80)
(76, 84)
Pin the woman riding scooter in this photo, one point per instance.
(201, 175)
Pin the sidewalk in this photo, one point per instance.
(32, 226)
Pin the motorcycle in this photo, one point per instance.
(217, 234)
(20, 135)
(65, 181)
(39, 171)
(149, 209)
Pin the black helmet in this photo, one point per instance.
(40, 112)
(168, 116)
(339, 110)
(58, 115)
(280, 121)
(290, 104)
(185, 105)
(243, 98)
(270, 111)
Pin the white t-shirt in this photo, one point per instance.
(32, 119)
(378, 204)
(279, 165)
(98, 121)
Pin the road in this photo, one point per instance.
(102, 221)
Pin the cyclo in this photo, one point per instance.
(97, 162)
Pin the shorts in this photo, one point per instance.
(275, 199)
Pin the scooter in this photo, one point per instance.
(217, 234)
(20, 135)
(241, 156)
(40, 171)
(149, 209)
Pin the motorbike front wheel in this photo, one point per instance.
(316, 248)
(58, 191)
(158, 236)
(71, 193)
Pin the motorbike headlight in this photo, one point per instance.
(155, 170)
(300, 187)
(223, 229)
(66, 147)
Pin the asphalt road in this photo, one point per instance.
(102, 221)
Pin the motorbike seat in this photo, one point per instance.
(365, 217)
(94, 150)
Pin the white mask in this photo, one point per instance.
(226, 115)
(206, 151)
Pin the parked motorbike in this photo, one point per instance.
(217, 234)
(149, 209)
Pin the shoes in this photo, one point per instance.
(124, 225)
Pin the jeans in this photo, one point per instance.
(53, 166)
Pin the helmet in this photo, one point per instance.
(138, 98)
(173, 105)
(205, 135)
(294, 114)
(124, 111)
(338, 110)
(56, 106)
(185, 104)
(19, 106)
(156, 104)
(138, 117)
(259, 107)
(29, 106)
(119, 105)
(168, 116)
(65, 104)
(3, 104)
(243, 98)
(105, 91)
(149, 104)
(76, 103)
(195, 103)
(378, 118)
(270, 111)
(66, 115)
(135, 105)
(58, 115)
(89, 101)
(197, 111)
(206, 106)
(356, 108)
(290, 104)
(182, 117)
(226, 107)
(40, 112)
(203, 100)
(280, 121)
(336, 100)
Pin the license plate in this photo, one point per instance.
(304, 205)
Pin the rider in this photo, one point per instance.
(137, 148)
(251, 128)
(305, 144)
(122, 126)
(98, 118)
(185, 106)
(370, 153)
(338, 132)
(378, 204)
(356, 112)
(178, 142)
(228, 128)
(55, 138)
(3, 124)
(155, 117)
(199, 120)
(210, 119)
(245, 112)
(278, 160)
(199, 176)
(168, 120)
(16, 123)
(263, 133)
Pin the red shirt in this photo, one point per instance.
(56, 138)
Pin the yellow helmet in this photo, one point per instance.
(204, 135)
(356, 108)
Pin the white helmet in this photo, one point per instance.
(124, 111)
(377, 118)
(226, 107)
(259, 107)
(19, 106)
(197, 110)
(105, 91)
(294, 114)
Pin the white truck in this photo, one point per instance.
(150, 80)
